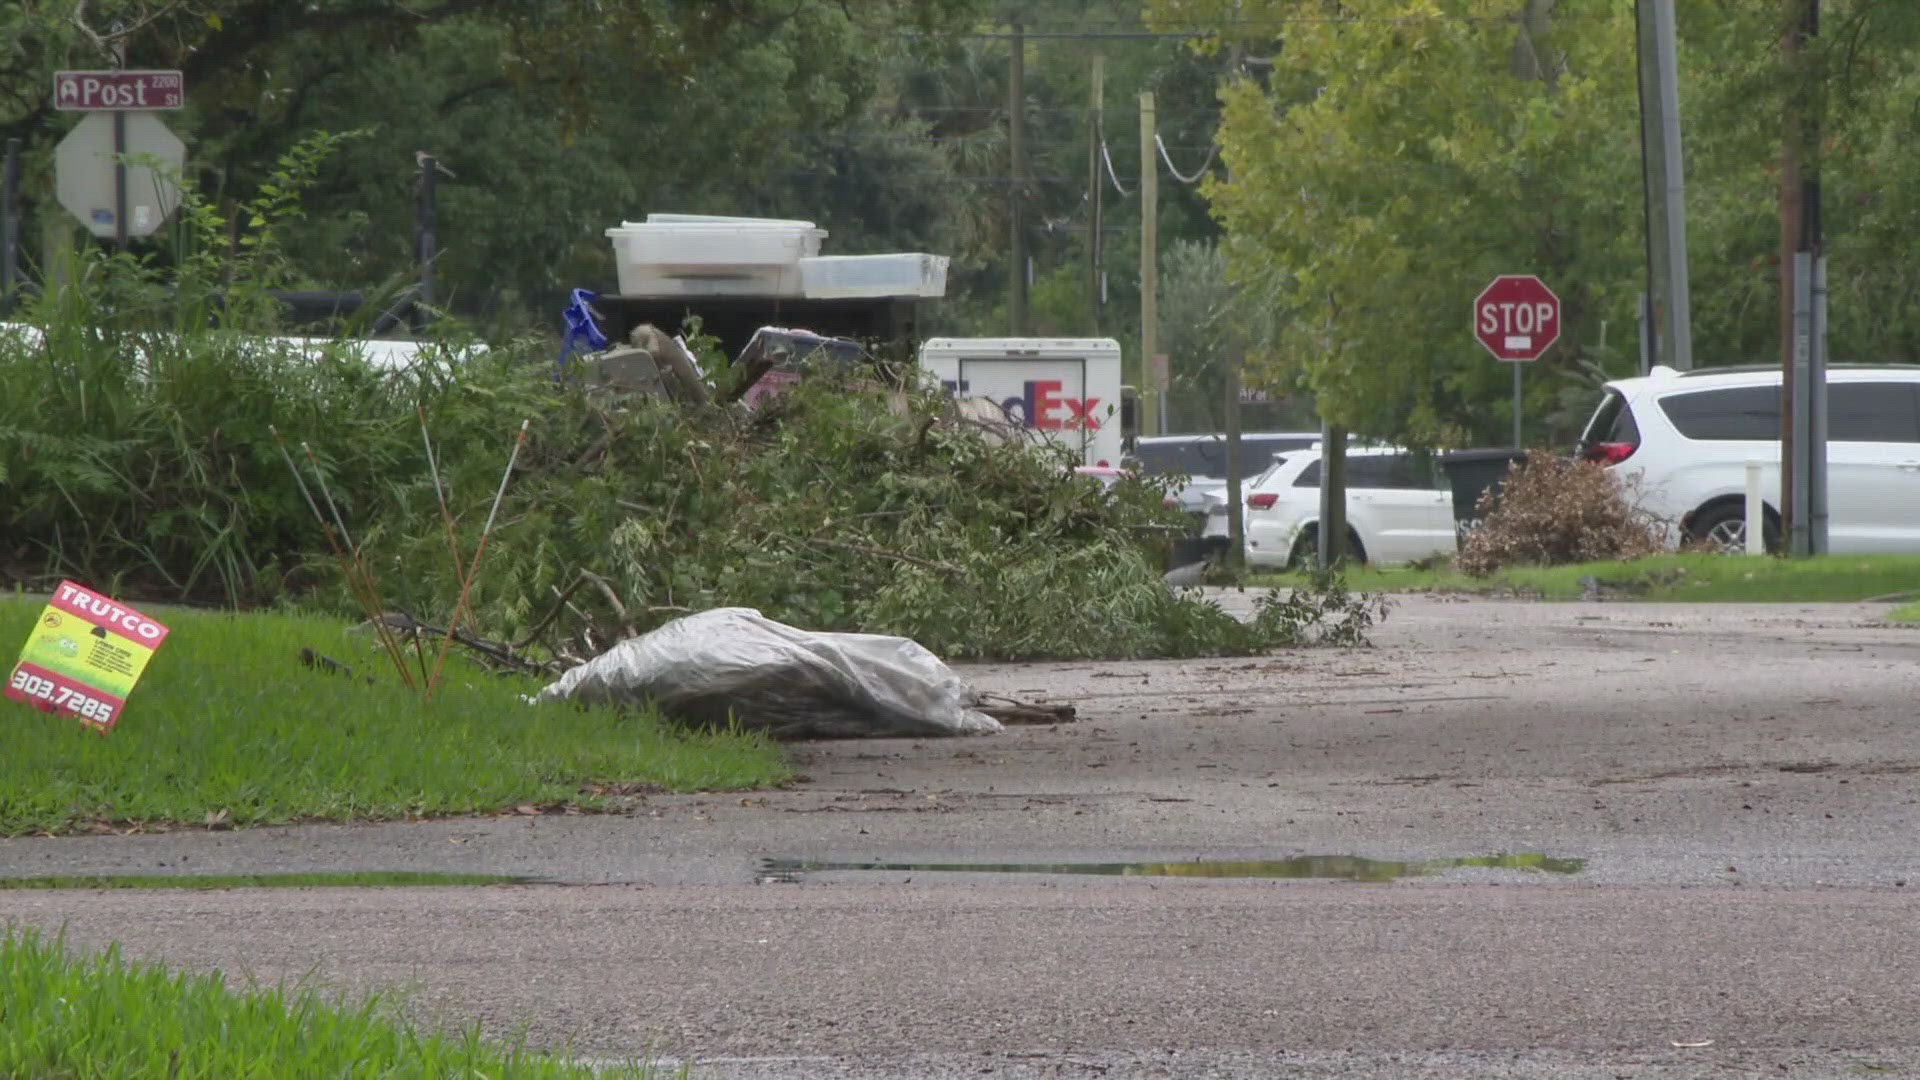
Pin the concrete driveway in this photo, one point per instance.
(1513, 839)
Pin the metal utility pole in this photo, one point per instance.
(1017, 170)
(1803, 390)
(1096, 134)
(1664, 188)
(423, 243)
(1149, 266)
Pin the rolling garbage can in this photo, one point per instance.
(1471, 473)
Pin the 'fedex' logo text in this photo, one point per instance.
(1041, 406)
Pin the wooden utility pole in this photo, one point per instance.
(1333, 496)
(1236, 504)
(1017, 177)
(1096, 136)
(1152, 397)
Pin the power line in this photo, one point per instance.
(1198, 173)
(1108, 158)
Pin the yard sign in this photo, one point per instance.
(84, 655)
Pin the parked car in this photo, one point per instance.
(1399, 509)
(1685, 438)
(1203, 460)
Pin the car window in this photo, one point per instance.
(1159, 458)
(1399, 472)
(1205, 457)
(1873, 412)
(1265, 474)
(1612, 422)
(1309, 476)
(1738, 412)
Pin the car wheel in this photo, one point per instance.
(1723, 529)
(1306, 549)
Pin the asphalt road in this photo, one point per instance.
(1715, 809)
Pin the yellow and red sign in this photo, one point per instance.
(84, 656)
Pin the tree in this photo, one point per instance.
(1398, 155)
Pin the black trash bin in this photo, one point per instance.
(1472, 473)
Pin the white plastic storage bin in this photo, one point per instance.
(833, 277)
(712, 257)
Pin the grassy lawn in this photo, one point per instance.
(1667, 577)
(104, 1017)
(228, 728)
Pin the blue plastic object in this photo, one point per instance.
(580, 327)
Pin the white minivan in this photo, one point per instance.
(1684, 439)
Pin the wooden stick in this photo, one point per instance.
(446, 516)
(367, 602)
(473, 568)
(381, 629)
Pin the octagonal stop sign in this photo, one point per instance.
(83, 172)
(1516, 317)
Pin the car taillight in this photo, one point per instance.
(1263, 501)
(1611, 453)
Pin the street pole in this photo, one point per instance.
(1017, 169)
(1803, 406)
(1333, 495)
(9, 226)
(119, 180)
(1679, 321)
(1516, 402)
(1149, 264)
(1096, 134)
(1236, 507)
(423, 241)
(1790, 213)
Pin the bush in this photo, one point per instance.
(1551, 511)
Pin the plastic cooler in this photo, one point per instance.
(834, 277)
(689, 255)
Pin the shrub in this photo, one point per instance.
(1550, 511)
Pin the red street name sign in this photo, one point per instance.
(101, 90)
(1516, 317)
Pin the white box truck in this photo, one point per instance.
(1064, 390)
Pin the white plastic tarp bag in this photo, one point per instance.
(735, 664)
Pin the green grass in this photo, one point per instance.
(1905, 613)
(104, 1017)
(1664, 577)
(228, 728)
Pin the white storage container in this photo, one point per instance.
(712, 257)
(833, 277)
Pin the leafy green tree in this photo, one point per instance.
(1398, 155)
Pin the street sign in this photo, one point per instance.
(1516, 317)
(106, 90)
(83, 171)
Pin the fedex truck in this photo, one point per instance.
(1062, 390)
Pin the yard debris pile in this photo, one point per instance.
(736, 667)
(848, 497)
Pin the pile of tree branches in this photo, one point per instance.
(839, 505)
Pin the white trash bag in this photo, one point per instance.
(736, 664)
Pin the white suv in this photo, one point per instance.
(1687, 438)
(1398, 509)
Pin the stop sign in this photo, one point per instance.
(1516, 317)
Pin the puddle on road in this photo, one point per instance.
(1333, 867)
(322, 879)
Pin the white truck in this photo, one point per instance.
(1063, 390)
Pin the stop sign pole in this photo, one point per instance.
(1516, 317)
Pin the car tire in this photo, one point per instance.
(1723, 528)
(1306, 549)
